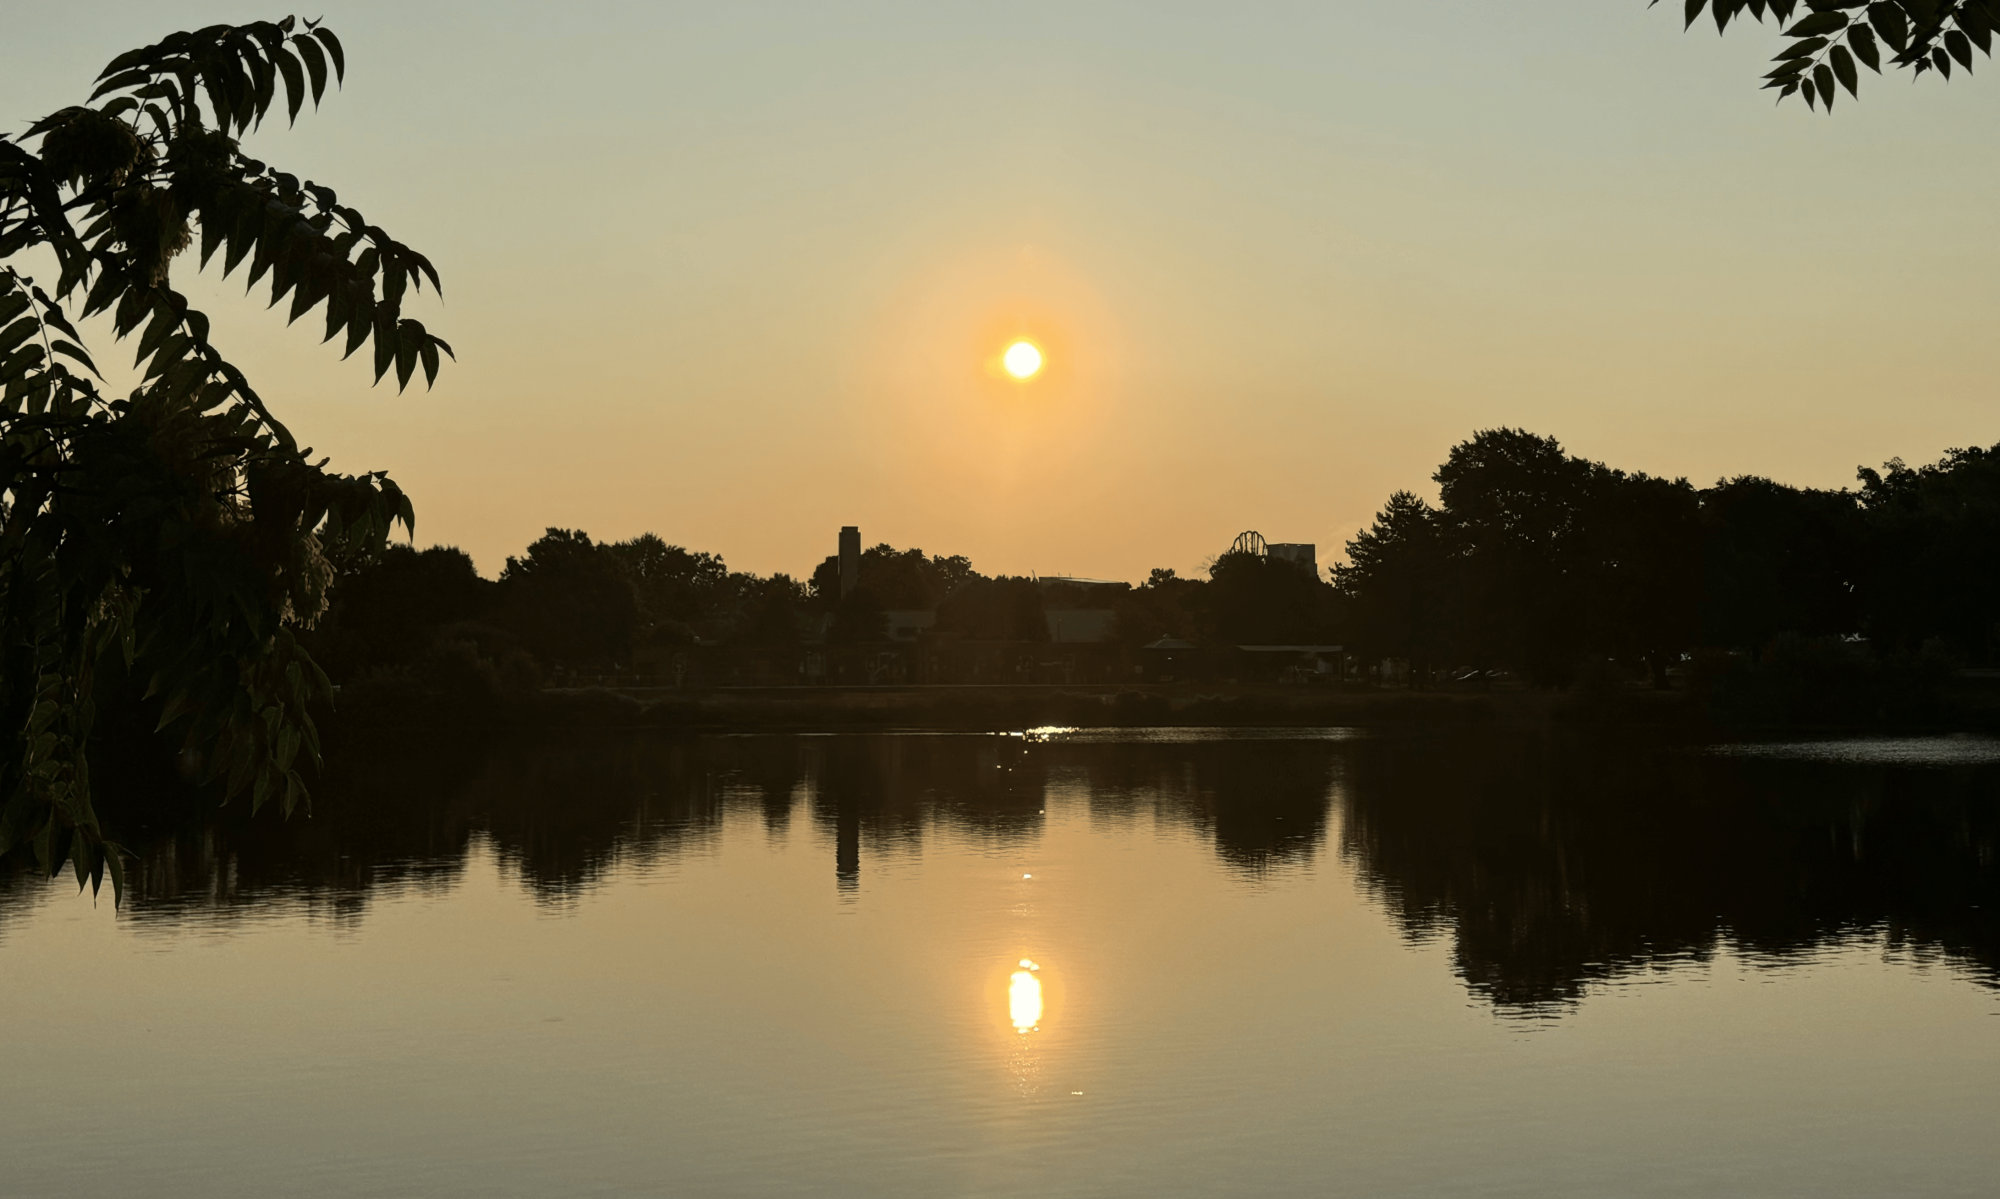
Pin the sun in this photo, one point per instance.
(1022, 360)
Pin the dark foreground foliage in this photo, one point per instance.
(1834, 38)
(163, 547)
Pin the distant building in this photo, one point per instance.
(1302, 554)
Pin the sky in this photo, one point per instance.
(737, 274)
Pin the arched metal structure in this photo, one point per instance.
(1250, 542)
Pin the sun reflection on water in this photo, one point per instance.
(1024, 997)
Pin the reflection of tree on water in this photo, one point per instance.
(558, 814)
(1264, 802)
(1548, 862)
(1555, 864)
(562, 811)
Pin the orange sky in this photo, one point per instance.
(735, 275)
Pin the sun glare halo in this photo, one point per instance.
(1022, 359)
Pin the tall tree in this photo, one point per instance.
(1931, 558)
(1642, 564)
(180, 527)
(1515, 505)
(1777, 559)
(570, 600)
(1262, 600)
(674, 584)
(1398, 574)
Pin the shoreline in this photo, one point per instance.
(970, 707)
(1965, 704)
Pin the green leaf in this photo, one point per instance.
(385, 339)
(315, 65)
(1891, 24)
(1863, 40)
(18, 332)
(1823, 80)
(1817, 24)
(295, 83)
(334, 52)
(1805, 49)
(1694, 8)
(1960, 47)
(1843, 70)
(121, 81)
(409, 342)
(70, 349)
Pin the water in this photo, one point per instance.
(1273, 963)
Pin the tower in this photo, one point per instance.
(850, 559)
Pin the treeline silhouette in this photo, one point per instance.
(424, 623)
(1551, 862)
(1534, 565)
(1540, 562)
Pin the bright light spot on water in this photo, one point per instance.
(1024, 998)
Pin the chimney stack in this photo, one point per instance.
(850, 559)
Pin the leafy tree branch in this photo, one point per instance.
(1829, 44)
(178, 533)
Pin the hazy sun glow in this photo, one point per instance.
(1024, 997)
(1022, 359)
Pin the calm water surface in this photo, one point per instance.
(1138, 963)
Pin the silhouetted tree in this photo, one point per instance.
(1259, 600)
(1515, 506)
(1165, 605)
(180, 530)
(570, 600)
(769, 611)
(673, 584)
(1932, 554)
(1400, 582)
(1003, 609)
(1536, 560)
(387, 609)
(1643, 558)
(1777, 559)
(899, 578)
